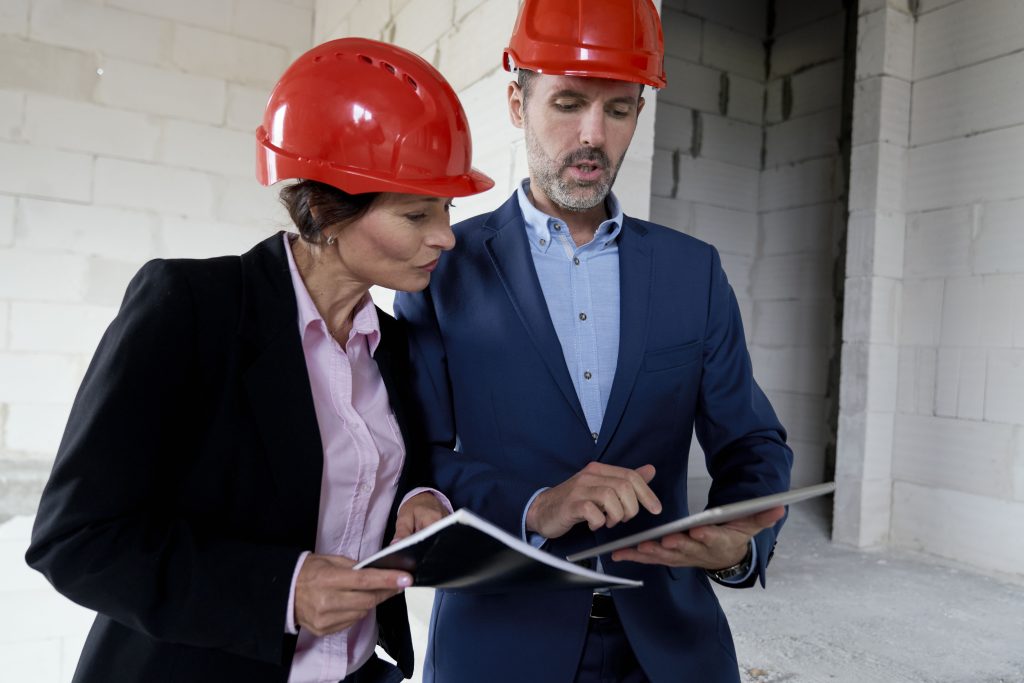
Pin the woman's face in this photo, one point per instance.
(397, 242)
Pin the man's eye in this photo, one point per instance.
(415, 217)
(449, 206)
(620, 113)
(566, 106)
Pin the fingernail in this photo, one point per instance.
(404, 581)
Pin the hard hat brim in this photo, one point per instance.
(274, 165)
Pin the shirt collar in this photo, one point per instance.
(364, 316)
(539, 225)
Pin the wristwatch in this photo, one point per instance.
(741, 568)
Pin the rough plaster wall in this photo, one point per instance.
(126, 133)
(958, 436)
(747, 157)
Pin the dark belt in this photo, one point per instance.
(602, 607)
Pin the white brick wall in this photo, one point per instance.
(962, 526)
(137, 87)
(126, 133)
(7, 208)
(85, 25)
(937, 149)
(58, 123)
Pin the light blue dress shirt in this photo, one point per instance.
(581, 288)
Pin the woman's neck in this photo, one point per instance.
(333, 291)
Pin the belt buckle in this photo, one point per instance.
(602, 606)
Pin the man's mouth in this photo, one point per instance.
(586, 171)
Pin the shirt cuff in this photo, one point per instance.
(289, 621)
(753, 566)
(443, 499)
(536, 540)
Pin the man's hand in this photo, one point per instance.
(707, 547)
(417, 513)
(330, 596)
(599, 494)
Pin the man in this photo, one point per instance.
(563, 355)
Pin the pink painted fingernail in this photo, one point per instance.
(404, 581)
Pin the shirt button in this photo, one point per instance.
(557, 227)
(583, 316)
(576, 260)
(587, 375)
(543, 242)
(593, 435)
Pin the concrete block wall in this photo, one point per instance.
(126, 133)
(747, 157)
(874, 268)
(931, 451)
(958, 435)
(802, 221)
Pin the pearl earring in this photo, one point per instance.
(331, 239)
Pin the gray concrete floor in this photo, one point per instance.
(835, 614)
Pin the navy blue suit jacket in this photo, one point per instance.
(503, 420)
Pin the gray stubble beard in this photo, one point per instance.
(546, 173)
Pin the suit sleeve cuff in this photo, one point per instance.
(536, 540)
(736, 580)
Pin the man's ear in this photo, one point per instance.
(640, 105)
(516, 105)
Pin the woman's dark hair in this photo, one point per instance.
(332, 206)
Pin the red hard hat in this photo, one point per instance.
(366, 116)
(617, 39)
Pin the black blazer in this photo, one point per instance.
(187, 482)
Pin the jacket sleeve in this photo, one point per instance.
(109, 533)
(468, 481)
(743, 441)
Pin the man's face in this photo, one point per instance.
(577, 133)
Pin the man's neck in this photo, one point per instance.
(582, 224)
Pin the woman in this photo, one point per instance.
(241, 438)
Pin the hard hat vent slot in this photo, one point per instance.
(366, 59)
(390, 69)
(412, 83)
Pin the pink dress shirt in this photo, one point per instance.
(363, 456)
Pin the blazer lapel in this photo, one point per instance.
(635, 266)
(277, 382)
(510, 255)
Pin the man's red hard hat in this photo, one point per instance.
(616, 39)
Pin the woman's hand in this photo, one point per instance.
(417, 513)
(330, 596)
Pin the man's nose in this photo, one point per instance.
(592, 128)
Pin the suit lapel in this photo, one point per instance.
(277, 382)
(635, 267)
(509, 252)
